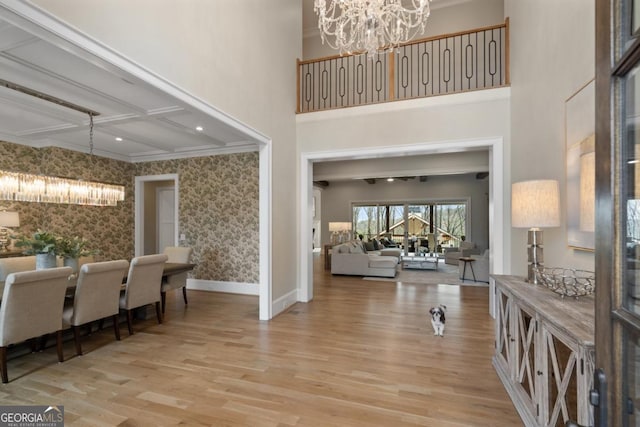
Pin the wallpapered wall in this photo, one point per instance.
(219, 213)
(218, 206)
(109, 229)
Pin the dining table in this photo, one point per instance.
(170, 268)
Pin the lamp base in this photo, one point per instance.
(535, 254)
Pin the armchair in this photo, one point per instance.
(466, 249)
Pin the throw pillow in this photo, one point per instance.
(369, 246)
(376, 245)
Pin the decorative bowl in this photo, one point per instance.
(567, 282)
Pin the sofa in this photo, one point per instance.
(480, 268)
(351, 258)
(465, 249)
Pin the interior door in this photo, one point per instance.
(166, 217)
(617, 382)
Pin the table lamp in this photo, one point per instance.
(7, 220)
(534, 205)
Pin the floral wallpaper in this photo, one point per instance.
(219, 210)
(108, 229)
(219, 213)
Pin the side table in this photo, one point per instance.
(467, 260)
(327, 256)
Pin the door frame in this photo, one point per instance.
(139, 207)
(499, 221)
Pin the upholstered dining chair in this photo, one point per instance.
(176, 281)
(97, 296)
(31, 307)
(143, 285)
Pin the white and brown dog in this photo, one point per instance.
(437, 319)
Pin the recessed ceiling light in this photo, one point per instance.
(118, 139)
(199, 128)
(389, 179)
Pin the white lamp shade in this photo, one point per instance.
(339, 226)
(9, 219)
(535, 204)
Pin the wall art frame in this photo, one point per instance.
(580, 167)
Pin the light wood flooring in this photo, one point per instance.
(362, 353)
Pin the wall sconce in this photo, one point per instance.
(534, 205)
(7, 220)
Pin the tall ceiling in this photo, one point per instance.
(153, 118)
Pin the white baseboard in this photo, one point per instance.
(284, 302)
(229, 287)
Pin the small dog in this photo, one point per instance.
(437, 319)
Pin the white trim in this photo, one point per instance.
(266, 293)
(139, 211)
(285, 301)
(227, 287)
(498, 225)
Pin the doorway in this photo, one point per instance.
(499, 236)
(156, 213)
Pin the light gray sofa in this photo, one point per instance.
(351, 259)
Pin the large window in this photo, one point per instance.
(445, 222)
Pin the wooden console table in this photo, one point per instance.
(544, 352)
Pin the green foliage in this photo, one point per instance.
(74, 247)
(42, 242)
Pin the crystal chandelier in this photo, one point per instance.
(24, 187)
(352, 26)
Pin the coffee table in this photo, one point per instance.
(420, 262)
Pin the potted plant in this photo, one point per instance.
(43, 245)
(71, 249)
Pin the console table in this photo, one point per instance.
(544, 352)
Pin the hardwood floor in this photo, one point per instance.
(361, 354)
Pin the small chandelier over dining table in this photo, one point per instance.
(352, 26)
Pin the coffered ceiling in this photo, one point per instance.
(153, 118)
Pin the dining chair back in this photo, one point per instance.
(31, 307)
(182, 255)
(96, 297)
(143, 285)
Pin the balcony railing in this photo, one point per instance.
(452, 63)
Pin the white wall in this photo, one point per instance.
(339, 196)
(552, 56)
(463, 15)
(230, 54)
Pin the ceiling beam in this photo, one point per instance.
(482, 175)
(370, 180)
(321, 183)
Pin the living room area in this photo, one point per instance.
(427, 211)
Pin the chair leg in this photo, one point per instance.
(76, 339)
(59, 346)
(100, 324)
(163, 297)
(116, 326)
(3, 363)
(184, 295)
(130, 321)
(43, 342)
(158, 312)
